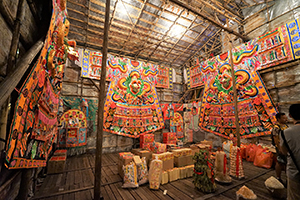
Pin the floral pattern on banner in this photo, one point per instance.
(73, 129)
(118, 67)
(256, 109)
(34, 124)
(90, 110)
(131, 106)
(164, 77)
(275, 47)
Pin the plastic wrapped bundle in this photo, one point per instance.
(142, 172)
(155, 172)
(275, 187)
(236, 163)
(245, 193)
(130, 176)
(273, 183)
(164, 177)
(221, 168)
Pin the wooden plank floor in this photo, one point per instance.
(78, 179)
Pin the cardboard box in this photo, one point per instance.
(189, 160)
(181, 152)
(183, 161)
(173, 174)
(147, 146)
(170, 142)
(143, 153)
(158, 147)
(189, 171)
(179, 161)
(146, 138)
(207, 142)
(124, 159)
(164, 177)
(167, 158)
(56, 164)
(169, 136)
(168, 164)
(182, 171)
(60, 152)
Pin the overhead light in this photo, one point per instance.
(176, 30)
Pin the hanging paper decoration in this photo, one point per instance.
(292, 28)
(117, 67)
(176, 120)
(275, 47)
(90, 110)
(34, 124)
(195, 75)
(256, 109)
(73, 129)
(131, 107)
(164, 77)
(85, 63)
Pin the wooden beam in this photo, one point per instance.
(230, 11)
(210, 5)
(236, 110)
(255, 14)
(114, 13)
(212, 21)
(150, 31)
(9, 19)
(273, 19)
(181, 37)
(15, 37)
(12, 80)
(101, 99)
(216, 33)
(190, 44)
(137, 20)
(256, 4)
(166, 34)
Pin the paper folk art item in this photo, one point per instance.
(256, 109)
(34, 124)
(73, 129)
(131, 106)
(91, 62)
(164, 77)
(275, 47)
(89, 108)
(176, 120)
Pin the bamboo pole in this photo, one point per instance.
(15, 39)
(212, 21)
(98, 159)
(236, 114)
(11, 81)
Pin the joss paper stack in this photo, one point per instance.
(169, 138)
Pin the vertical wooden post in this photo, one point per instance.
(25, 182)
(98, 162)
(236, 114)
(15, 38)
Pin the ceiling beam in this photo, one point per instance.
(216, 33)
(136, 21)
(166, 33)
(210, 5)
(212, 21)
(180, 38)
(190, 44)
(230, 11)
